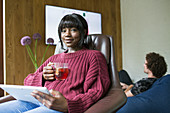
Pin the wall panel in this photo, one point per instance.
(26, 17)
(1, 46)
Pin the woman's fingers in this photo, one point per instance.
(48, 69)
(49, 76)
(55, 93)
(37, 96)
(55, 102)
(41, 97)
(48, 73)
(50, 64)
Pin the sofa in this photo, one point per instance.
(154, 100)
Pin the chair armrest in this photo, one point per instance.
(114, 100)
(6, 98)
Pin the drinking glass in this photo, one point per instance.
(61, 71)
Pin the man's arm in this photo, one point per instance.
(128, 91)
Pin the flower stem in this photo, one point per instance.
(44, 53)
(32, 56)
(29, 53)
(36, 52)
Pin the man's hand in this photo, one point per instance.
(124, 86)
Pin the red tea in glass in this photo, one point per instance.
(61, 71)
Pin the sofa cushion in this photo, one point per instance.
(154, 100)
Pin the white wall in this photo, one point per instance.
(145, 28)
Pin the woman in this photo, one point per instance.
(87, 81)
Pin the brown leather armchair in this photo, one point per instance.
(115, 98)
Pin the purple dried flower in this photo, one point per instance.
(26, 40)
(36, 36)
(50, 41)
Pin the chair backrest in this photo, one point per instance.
(104, 43)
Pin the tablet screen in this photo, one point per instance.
(23, 92)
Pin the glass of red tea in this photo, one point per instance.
(61, 71)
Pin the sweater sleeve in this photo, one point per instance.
(35, 79)
(96, 84)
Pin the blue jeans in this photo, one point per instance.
(17, 106)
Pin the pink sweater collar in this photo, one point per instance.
(70, 55)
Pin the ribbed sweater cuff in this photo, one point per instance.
(35, 80)
(39, 82)
(75, 107)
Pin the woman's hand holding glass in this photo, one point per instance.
(49, 72)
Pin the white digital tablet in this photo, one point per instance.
(23, 92)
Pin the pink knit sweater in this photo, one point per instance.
(87, 82)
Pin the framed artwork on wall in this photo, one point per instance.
(54, 14)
